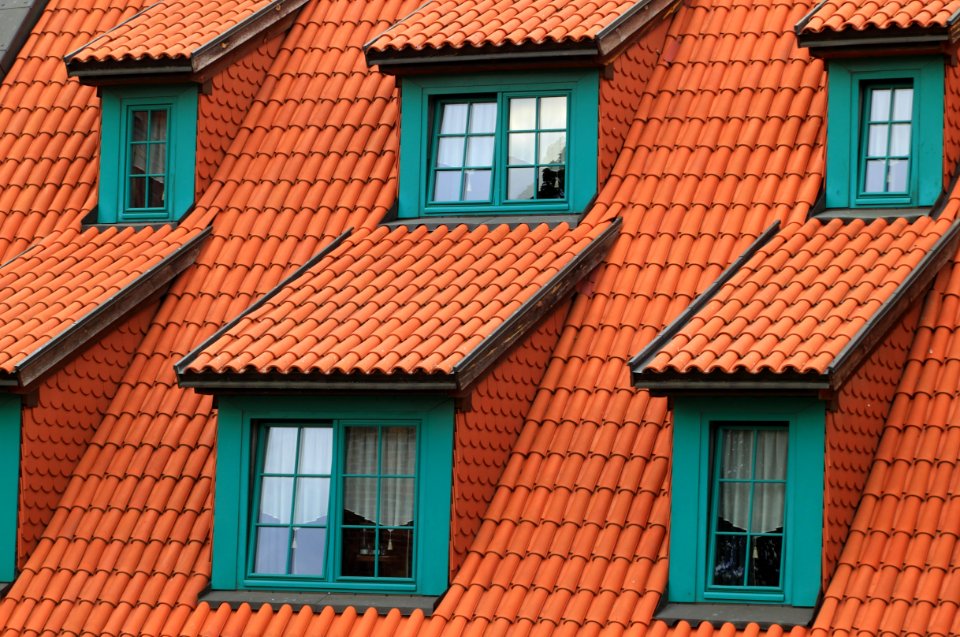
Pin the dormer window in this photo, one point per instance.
(885, 133)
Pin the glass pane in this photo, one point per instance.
(139, 125)
(276, 496)
(483, 118)
(157, 192)
(396, 553)
(454, 118)
(897, 178)
(874, 180)
(360, 501)
(399, 450)
(900, 140)
(551, 183)
(879, 105)
(138, 159)
(396, 502)
(772, 455)
(903, 104)
(553, 112)
(768, 507)
(523, 113)
(358, 552)
(447, 186)
(520, 183)
(476, 185)
(313, 501)
(158, 125)
(553, 148)
(361, 450)
(309, 547)
(736, 455)
(480, 151)
(521, 148)
(729, 560)
(272, 545)
(450, 152)
(877, 140)
(281, 450)
(138, 192)
(158, 159)
(316, 450)
(765, 561)
(733, 510)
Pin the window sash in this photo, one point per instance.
(150, 148)
(869, 92)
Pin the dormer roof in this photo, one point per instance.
(850, 23)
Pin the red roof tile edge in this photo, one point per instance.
(844, 363)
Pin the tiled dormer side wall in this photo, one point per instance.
(220, 113)
(620, 96)
(487, 429)
(853, 433)
(70, 404)
(951, 120)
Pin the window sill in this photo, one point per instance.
(319, 600)
(740, 615)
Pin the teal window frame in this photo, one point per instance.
(420, 96)
(848, 82)
(240, 419)
(10, 425)
(695, 420)
(118, 103)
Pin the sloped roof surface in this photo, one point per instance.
(169, 29)
(395, 302)
(857, 15)
(801, 299)
(474, 23)
(67, 275)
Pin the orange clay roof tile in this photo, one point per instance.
(837, 16)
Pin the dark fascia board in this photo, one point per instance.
(645, 355)
(208, 55)
(884, 41)
(713, 383)
(181, 366)
(29, 12)
(608, 40)
(473, 365)
(107, 314)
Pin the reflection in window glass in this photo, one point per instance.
(886, 159)
(464, 144)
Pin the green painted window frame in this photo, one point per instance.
(180, 102)
(695, 420)
(240, 419)
(419, 98)
(848, 81)
(10, 424)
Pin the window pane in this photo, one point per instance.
(551, 183)
(521, 148)
(276, 496)
(476, 185)
(553, 148)
(877, 140)
(447, 186)
(158, 159)
(450, 152)
(316, 450)
(272, 545)
(772, 455)
(880, 105)
(553, 112)
(765, 561)
(729, 560)
(313, 500)
(138, 159)
(138, 192)
(523, 113)
(736, 455)
(733, 510)
(281, 450)
(399, 450)
(480, 151)
(897, 178)
(768, 507)
(309, 551)
(361, 450)
(903, 104)
(875, 179)
(454, 118)
(900, 140)
(156, 195)
(396, 502)
(483, 117)
(358, 552)
(139, 125)
(396, 553)
(158, 125)
(360, 501)
(520, 183)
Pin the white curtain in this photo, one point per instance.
(398, 447)
(736, 458)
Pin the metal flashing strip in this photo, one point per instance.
(276, 383)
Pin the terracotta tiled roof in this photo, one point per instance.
(858, 15)
(68, 279)
(476, 23)
(402, 302)
(799, 302)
